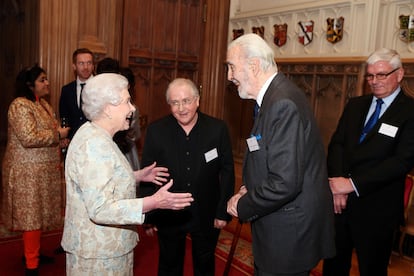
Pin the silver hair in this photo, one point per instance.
(384, 54)
(253, 46)
(182, 82)
(101, 90)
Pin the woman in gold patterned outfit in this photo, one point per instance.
(31, 165)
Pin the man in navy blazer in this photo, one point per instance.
(286, 195)
(70, 97)
(197, 151)
(367, 173)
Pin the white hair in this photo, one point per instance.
(182, 82)
(384, 54)
(253, 46)
(101, 90)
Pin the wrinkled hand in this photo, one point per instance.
(339, 203)
(232, 203)
(151, 173)
(175, 201)
(219, 224)
(64, 143)
(150, 229)
(340, 188)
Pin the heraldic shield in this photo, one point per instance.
(305, 32)
(406, 28)
(280, 36)
(259, 31)
(237, 33)
(335, 29)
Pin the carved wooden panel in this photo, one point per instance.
(162, 41)
(326, 85)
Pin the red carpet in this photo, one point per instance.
(146, 256)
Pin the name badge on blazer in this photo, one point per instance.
(388, 130)
(211, 155)
(252, 142)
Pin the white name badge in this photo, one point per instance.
(211, 155)
(252, 143)
(388, 130)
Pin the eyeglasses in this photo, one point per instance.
(184, 102)
(380, 76)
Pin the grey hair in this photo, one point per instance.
(253, 46)
(384, 54)
(101, 90)
(182, 82)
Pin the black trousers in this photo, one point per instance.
(172, 251)
(372, 240)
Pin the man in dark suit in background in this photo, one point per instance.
(70, 97)
(197, 151)
(367, 168)
(286, 194)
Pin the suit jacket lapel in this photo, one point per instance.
(389, 113)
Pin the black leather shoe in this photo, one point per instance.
(32, 272)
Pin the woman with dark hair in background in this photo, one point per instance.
(125, 139)
(31, 165)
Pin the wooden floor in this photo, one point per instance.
(398, 266)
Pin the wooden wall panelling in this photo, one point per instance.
(161, 77)
(213, 68)
(19, 33)
(190, 30)
(238, 114)
(327, 85)
(57, 41)
(100, 26)
(67, 25)
(165, 16)
(18, 29)
(162, 40)
(408, 81)
(137, 30)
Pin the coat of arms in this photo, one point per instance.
(280, 34)
(237, 33)
(259, 30)
(335, 29)
(305, 32)
(406, 28)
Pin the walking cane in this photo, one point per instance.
(232, 248)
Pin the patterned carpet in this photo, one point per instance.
(243, 258)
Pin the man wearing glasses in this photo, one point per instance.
(197, 151)
(369, 155)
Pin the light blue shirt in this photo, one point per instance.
(387, 102)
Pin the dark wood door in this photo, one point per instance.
(162, 40)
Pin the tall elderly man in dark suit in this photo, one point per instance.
(197, 151)
(369, 156)
(70, 97)
(286, 195)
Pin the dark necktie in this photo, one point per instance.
(256, 110)
(372, 120)
(80, 96)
